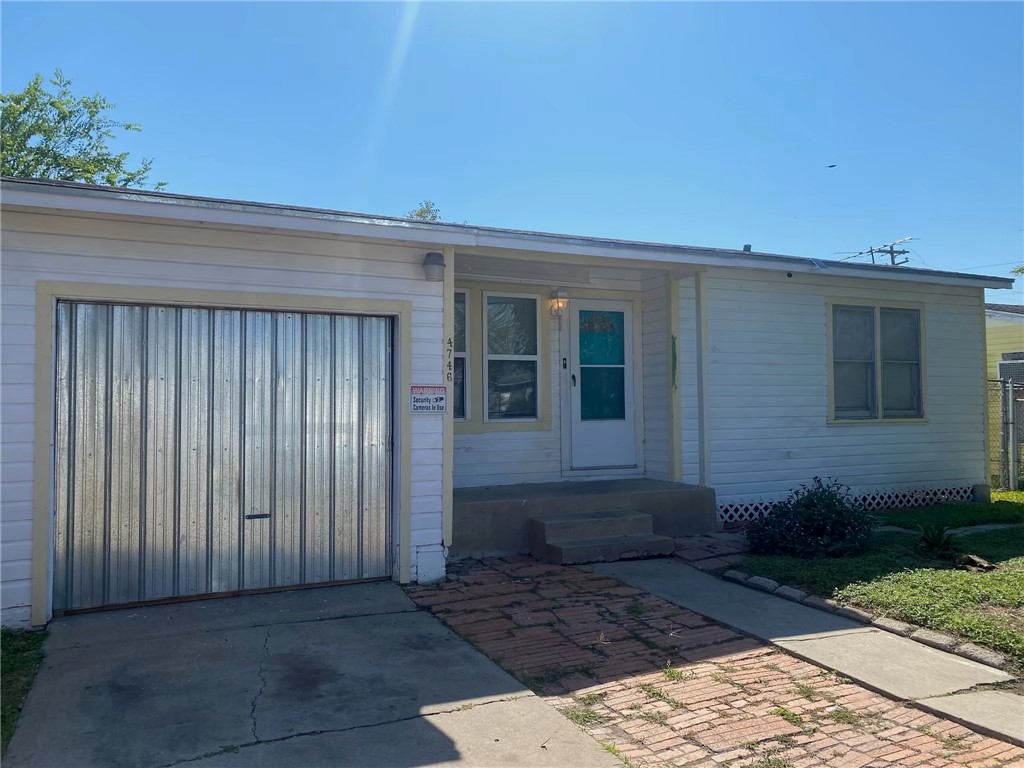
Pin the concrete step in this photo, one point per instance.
(607, 549)
(492, 520)
(571, 525)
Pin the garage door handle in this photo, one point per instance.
(257, 517)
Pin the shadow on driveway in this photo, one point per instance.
(351, 675)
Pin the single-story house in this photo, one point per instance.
(1004, 347)
(206, 396)
(1004, 335)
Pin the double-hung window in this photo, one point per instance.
(459, 372)
(511, 357)
(876, 363)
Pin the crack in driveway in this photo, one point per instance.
(261, 742)
(263, 682)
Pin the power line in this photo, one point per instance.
(920, 258)
(889, 249)
(983, 266)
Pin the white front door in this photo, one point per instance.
(601, 384)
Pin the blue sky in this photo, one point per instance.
(707, 124)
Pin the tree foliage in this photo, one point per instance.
(427, 211)
(1017, 270)
(57, 135)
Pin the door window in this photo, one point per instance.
(602, 351)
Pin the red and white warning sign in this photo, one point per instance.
(428, 399)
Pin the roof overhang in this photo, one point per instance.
(108, 201)
(1010, 317)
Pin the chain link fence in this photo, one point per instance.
(1006, 434)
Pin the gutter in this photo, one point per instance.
(72, 197)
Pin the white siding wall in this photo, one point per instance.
(656, 372)
(40, 247)
(767, 393)
(687, 381)
(506, 458)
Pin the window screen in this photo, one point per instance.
(853, 361)
(901, 363)
(511, 360)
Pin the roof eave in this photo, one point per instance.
(1013, 317)
(184, 208)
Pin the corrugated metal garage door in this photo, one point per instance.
(213, 450)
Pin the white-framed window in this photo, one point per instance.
(511, 347)
(877, 363)
(460, 372)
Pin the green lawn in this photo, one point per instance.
(21, 653)
(894, 578)
(986, 608)
(890, 552)
(1006, 507)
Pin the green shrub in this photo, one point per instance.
(816, 520)
(936, 540)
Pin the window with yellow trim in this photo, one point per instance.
(460, 374)
(876, 363)
(511, 357)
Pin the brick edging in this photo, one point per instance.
(927, 637)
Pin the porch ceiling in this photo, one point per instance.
(558, 269)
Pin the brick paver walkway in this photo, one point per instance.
(661, 686)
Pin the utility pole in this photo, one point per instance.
(889, 249)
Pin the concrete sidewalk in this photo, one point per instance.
(339, 676)
(896, 666)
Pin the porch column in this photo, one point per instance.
(703, 417)
(675, 443)
(448, 423)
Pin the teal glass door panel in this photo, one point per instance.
(602, 337)
(602, 393)
(602, 351)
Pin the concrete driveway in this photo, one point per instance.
(338, 676)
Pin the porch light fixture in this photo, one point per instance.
(433, 267)
(559, 302)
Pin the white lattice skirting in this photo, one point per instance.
(747, 509)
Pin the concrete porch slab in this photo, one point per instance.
(492, 520)
(569, 488)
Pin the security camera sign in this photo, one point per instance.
(424, 399)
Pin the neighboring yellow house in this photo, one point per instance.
(1004, 333)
